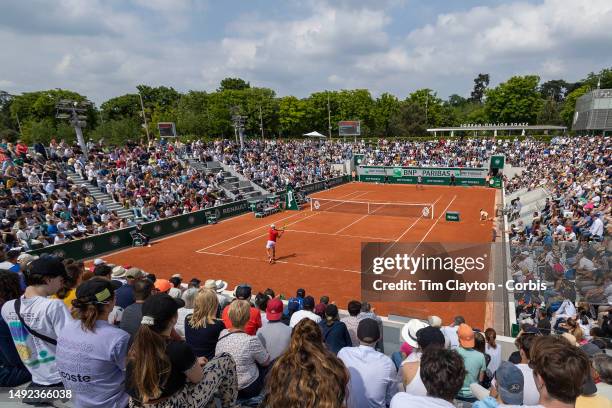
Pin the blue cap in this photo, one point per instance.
(510, 383)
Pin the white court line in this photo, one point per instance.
(354, 222)
(404, 233)
(291, 223)
(430, 229)
(336, 234)
(283, 262)
(434, 224)
(255, 229)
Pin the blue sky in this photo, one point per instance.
(104, 48)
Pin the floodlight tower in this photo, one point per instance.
(75, 113)
(238, 122)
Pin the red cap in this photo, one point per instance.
(274, 310)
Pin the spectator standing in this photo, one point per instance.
(202, 328)
(372, 375)
(163, 372)
(442, 373)
(473, 361)
(335, 334)
(132, 315)
(307, 312)
(91, 353)
(35, 321)
(352, 320)
(12, 370)
(559, 370)
(493, 350)
(274, 335)
(243, 292)
(247, 351)
(450, 332)
(306, 357)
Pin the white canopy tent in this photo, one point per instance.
(314, 134)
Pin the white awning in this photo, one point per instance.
(314, 134)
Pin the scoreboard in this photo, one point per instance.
(166, 129)
(349, 128)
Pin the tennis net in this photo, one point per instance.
(425, 210)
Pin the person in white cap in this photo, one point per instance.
(273, 235)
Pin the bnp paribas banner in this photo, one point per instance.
(429, 175)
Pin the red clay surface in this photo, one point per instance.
(320, 251)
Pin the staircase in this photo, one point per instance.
(99, 195)
(215, 168)
(239, 184)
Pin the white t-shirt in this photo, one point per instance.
(47, 317)
(496, 357)
(531, 395)
(303, 314)
(183, 312)
(405, 400)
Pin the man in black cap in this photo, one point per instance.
(243, 292)
(36, 320)
(373, 375)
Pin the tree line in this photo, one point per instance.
(198, 114)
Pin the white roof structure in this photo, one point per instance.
(314, 134)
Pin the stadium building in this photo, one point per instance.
(593, 111)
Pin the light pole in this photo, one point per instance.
(144, 117)
(75, 113)
(261, 124)
(238, 121)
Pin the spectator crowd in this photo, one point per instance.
(116, 336)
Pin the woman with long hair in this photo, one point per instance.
(307, 375)
(492, 349)
(99, 348)
(202, 328)
(163, 372)
(74, 274)
(12, 370)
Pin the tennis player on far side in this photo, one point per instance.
(273, 235)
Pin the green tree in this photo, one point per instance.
(514, 101)
(567, 112)
(122, 107)
(555, 89)
(481, 82)
(234, 84)
(291, 114)
(118, 131)
(385, 107)
(409, 120)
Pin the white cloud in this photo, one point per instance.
(103, 49)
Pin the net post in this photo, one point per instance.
(369, 208)
(311, 210)
(432, 212)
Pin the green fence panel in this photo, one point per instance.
(429, 175)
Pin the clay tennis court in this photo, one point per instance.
(320, 250)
